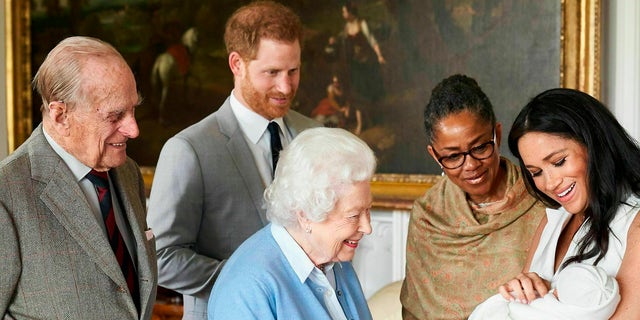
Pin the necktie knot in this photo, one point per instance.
(99, 179)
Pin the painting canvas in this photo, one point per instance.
(372, 75)
(176, 50)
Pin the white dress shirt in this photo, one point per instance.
(305, 269)
(254, 127)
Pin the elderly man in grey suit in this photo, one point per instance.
(206, 197)
(72, 205)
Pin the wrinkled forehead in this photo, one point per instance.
(108, 78)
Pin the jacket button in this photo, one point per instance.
(122, 290)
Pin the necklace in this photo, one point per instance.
(486, 204)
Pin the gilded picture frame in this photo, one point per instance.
(579, 68)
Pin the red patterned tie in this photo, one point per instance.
(101, 182)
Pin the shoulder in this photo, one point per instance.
(21, 157)
(206, 127)
(257, 264)
(259, 249)
(299, 121)
(14, 163)
(627, 215)
(199, 136)
(441, 189)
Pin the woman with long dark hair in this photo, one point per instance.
(585, 167)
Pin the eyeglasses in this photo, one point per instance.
(481, 152)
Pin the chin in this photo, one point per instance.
(345, 257)
(116, 163)
(279, 112)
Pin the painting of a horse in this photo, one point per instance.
(171, 69)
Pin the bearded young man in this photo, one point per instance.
(206, 197)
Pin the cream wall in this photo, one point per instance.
(621, 66)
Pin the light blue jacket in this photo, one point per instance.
(257, 282)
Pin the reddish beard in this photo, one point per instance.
(261, 103)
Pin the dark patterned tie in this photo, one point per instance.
(101, 182)
(276, 144)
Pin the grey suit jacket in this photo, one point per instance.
(206, 199)
(55, 262)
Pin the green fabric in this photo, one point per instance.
(458, 255)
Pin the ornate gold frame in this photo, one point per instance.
(579, 69)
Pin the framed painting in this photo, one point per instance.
(372, 77)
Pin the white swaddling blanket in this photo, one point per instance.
(583, 292)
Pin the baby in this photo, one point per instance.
(580, 291)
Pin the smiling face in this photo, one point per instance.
(558, 167)
(99, 127)
(336, 238)
(268, 83)
(460, 132)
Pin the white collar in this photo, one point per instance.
(252, 124)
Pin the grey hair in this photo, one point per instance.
(60, 76)
(311, 172)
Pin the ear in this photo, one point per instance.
(433, 154)
(498, 134)
(302, 219)
(236, 64)
(57, 114)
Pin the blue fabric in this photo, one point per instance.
(257, 282)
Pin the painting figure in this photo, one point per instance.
(172, 65)
(362, 56)
(334, 110)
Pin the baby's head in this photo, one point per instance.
(584, 285)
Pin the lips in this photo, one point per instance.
(351, 243)
(476, 179)
(564, 193)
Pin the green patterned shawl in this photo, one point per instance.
(458, 255)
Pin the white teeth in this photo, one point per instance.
(351, 242)
(117, 144)
(567, 191)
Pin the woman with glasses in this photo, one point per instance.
(472, 229)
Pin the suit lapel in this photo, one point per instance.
(62, 195)
(243, 158)
(129, 197)
(65, 200)
(297, 123)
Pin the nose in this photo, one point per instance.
(471, 163)
(129, 127)
(551, 181)
(365, 224)
(285, 83)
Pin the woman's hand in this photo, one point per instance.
(525, 287)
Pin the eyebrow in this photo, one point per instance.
(474, 143)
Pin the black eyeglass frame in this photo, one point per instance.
(469, 152)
